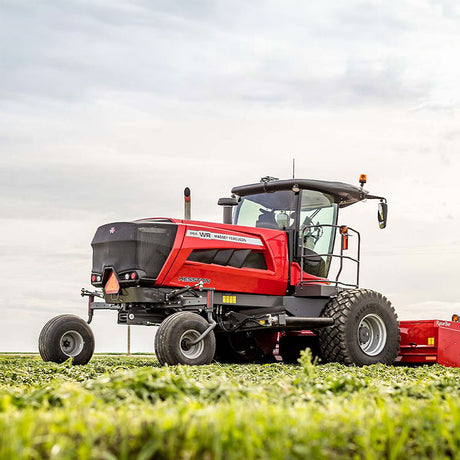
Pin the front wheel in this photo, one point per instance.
(64, 337)
(175, 335)
(365, 329)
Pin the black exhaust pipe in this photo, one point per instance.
(187, 204)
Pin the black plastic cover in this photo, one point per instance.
(344, 194)
(133, 246)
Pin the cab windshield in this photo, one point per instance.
(267, 210)
(278, 210)
(312, 219)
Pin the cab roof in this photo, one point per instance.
(344, 194)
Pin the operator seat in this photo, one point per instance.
(266, 219)
(314, 263)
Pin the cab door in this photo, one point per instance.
(317, 218)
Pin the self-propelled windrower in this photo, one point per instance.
(232, 291)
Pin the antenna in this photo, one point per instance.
(293, 168)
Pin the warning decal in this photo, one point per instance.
(224, 237)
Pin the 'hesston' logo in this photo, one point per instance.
(190, 279)
(224, 237)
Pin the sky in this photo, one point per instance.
(109, 109)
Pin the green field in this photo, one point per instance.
(120, 407)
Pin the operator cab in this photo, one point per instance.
(306, 209)
(306, 215)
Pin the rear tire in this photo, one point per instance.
(365, 329)
(64, 337)
(173, 335)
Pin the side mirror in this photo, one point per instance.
(382, 214)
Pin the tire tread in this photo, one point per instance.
(165, 339)
(48, 341)
(333, 339)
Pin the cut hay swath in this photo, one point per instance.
(119, 407)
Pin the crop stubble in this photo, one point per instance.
(120, 407)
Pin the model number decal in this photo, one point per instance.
(224, 237)
(189, 279)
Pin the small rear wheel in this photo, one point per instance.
(365, 329)
(64, 337)
(175, 335)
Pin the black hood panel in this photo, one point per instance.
(129, 246)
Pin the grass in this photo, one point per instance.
(129, 407)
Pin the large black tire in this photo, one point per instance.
(64, 337)
(365, 329)
(173, 334)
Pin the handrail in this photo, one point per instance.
(341, 255)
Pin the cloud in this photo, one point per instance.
(449, 105)
(432, 309)
(109, 109)
(302, 55)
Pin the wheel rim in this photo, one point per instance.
(372, 334)
(72, 343)
(191, 351)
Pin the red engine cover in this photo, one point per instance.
(178, 271)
